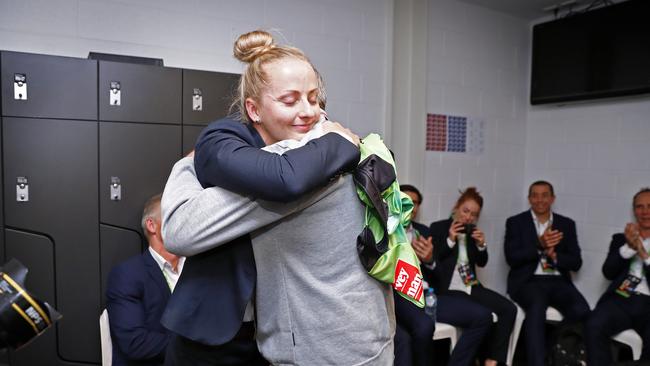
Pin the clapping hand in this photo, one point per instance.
(634, 240)
(550, 238)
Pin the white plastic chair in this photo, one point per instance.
(514, 336)
(105, 337)
(444, 330)
(628, 337)
(552, 315)
(631, 338)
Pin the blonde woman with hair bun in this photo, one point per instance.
(315, 304)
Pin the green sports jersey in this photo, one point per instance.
(383, 245)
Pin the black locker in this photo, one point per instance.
(139, 157)
(190, 133)
(54, 87)
(207, 95)
(68, 147)
(57, 162)
(139, 93)
(116, 245)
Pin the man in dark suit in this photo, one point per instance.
(541, 248)
(414, 329)
(626, 302)
(137, 293)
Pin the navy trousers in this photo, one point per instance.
(534, 297)
(413, 334)
(474, 318)
(612, 315)
(498, 338)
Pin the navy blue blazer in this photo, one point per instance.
(522, 244)
(210, 297)
(136, 296)
(616, 267)
(447, 257)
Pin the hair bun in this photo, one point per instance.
(252, 45)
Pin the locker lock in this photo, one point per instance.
(197, 100)
(116, 189)
(115, 94)
(22, 189)
(20, 87)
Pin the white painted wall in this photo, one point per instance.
(348, 40)
(477, 62)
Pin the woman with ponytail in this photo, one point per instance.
(460, 246)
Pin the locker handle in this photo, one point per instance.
(20, 87)
(116, 189)
(22, 189)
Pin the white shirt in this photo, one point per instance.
(168, 272)
(540, 228)
(636, 267)
(457, 282)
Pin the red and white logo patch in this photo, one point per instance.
(408, 280)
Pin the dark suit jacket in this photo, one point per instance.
(447, 257)
(522, 244)
(136, 296)
(211, 295)
(616, 267)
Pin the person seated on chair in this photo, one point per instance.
(626, 302)
(137, 293)
(414, 329)
(460, 245)
(542, 249)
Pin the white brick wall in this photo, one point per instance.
(474, 70)
(347, 40)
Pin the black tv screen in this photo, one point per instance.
(597, 54)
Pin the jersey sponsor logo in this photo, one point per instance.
(408, 279)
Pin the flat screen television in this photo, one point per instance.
(597, 54)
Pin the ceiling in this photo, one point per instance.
(526, 9)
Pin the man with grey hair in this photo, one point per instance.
(137, 294)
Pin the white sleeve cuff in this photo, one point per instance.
(482, 248)
(345, 136)
(450, 243)
(626, 251)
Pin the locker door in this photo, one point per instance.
(36, 252)
(117, 245)
(140, 157)
(139, 93)
(3, 257)
(53, 86)
(57, 162)
(207, 95)
(190, 133)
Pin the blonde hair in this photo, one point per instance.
(258, 49)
